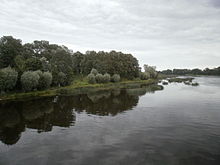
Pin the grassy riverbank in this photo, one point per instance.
(79, 86)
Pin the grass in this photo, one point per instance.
(79, 86)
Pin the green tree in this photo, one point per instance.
(91, 78)
(60, 79)
(20, 63)
(99, 78)
(8, 79)
(115, 78)
(144, 75)
(9, 48)
(168, 72)
(33, 64)
(29, 80)
(94, 71)
(45, 64)
(106, 77)
(62, 62)
(113, 63)
(196, 71)
(151, 70)
(77, 59)
(45, 80)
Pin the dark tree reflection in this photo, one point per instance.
(11, 124)
(43, 114)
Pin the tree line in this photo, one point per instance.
(196, 71)
(40, 65)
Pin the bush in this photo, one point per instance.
(144, 75)
(91, 78)
(99, 78)
(45, 80)
(62, 79)
(151, 70)
(94, 71)
(39, 72)
(8, 78)
(116, 78)
(29, 80)
(106, 78)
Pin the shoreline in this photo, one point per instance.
(75, 89)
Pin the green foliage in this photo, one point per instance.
(20, 63)
(45, 80)
(33, 64)
(59, 79)
(9, 48)
(99, 78)
(39, 72)
(94, 71)
(62, 79)
(196, 71)
(91, 78)
(30, 80)
(77, 59)
(8, 79)
(61, 61)
(40, 62)
(106, 78)
(151, 70)
(113, 63)
(167, 72)
(115, 78)
(46, 66)
(144, 75)
(95, 77)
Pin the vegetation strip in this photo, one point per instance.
(76, 89)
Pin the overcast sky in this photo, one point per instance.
(164, 33)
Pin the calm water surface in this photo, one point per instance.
(179, 125)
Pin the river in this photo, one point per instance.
(179, 125)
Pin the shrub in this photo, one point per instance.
(144, 75)
(99, 78)
(61, 79)
(106, 78)
(116, 78)
(29, 80)
(151, 70)
(39, 72)
(8, 78)
(94, 71)
(45, 80)
(91, 78)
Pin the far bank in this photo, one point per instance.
(79, 87)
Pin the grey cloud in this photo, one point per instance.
(216, 3)
(167, 33)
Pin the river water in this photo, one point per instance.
(179, 125)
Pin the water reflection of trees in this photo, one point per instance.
(44, 114)
(41, 115)
(104, 102)
(11, 124)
